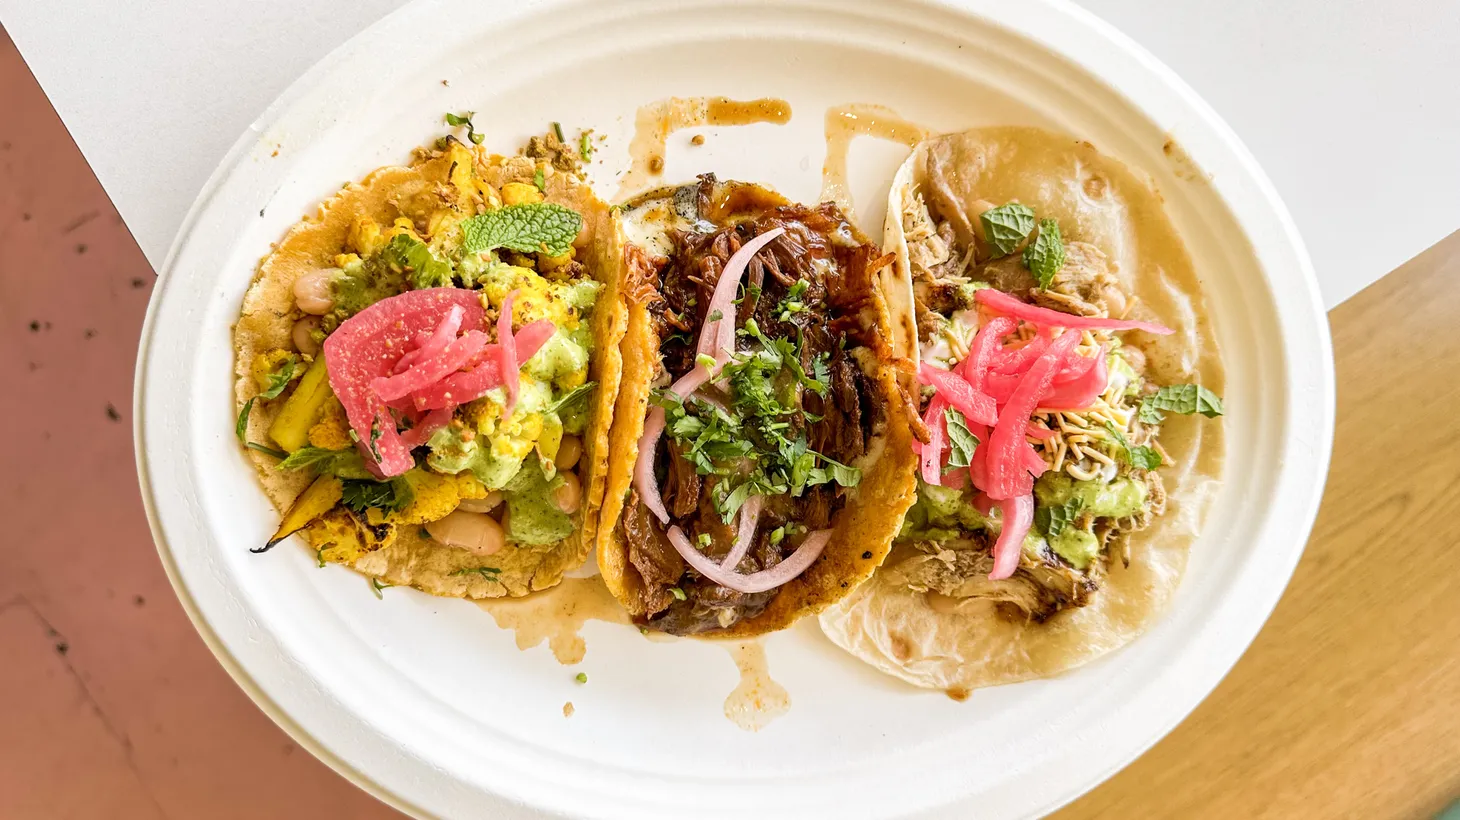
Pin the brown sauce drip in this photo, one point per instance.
(656, 121)
(557, 616)
(757, 700)
(844, 124)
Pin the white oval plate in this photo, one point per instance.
(428, 705)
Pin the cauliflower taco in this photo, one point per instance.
(427, 367)
(762, 448)
(1064, 360)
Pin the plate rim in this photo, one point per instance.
(1103, 36)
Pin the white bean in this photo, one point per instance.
(304, 335)
(481, 505)
(474, 532)
(313, 292)
(569, 452)
(568, 497)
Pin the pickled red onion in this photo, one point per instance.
(416, 436)
(974, 406)
(1080, 393)
(1008, 475)
(644, 465)
(975, 365)
(1018, 359)
(507, 353)
(1018, 515)
(745, 534)
(718, 335)
(430, 368)
(767, 579)
(931, 454)
(1000, 302)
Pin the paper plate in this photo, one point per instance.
(429, 705)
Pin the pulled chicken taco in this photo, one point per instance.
(1063, 355)
(762, 448)
(426, 370)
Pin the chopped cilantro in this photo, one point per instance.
(1006, 226)
(531, 228)
(539, 180)
(1184, 399)
(714, 316)
(677, 593)
(582, 677)
(390, 496)
(793, 303)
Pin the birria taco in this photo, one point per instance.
(426, 371)
(762, 454)
(1064, 356)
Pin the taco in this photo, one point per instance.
(762, 448)
(1063, 356)
(426, 371)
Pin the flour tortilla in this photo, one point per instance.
(944, 643)
(862, 530)
(415, 191)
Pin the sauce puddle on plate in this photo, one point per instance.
(845, 123)
(758, 700)
(557, 615)
(656, 121)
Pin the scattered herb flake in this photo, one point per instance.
(677, 593)
(584, 149)
(241, 427)
(581, 677)
(376, 587)
(266, 450)
(456, 120)
(279, 379)
(539, 180)
(558, 132)
(489, 573)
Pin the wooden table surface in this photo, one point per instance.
(1348, 703)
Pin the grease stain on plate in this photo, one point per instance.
(557, 616)
(654, 122)
(845, 123)
(757, 700)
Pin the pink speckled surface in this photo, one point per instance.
(110, 704)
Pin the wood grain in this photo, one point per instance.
(1348, 702)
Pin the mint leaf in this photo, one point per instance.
(536, 227)
(345, 463)
(1053, 520)
(1143, 458)
(407, 253)
(1184, 399)
(279, 379)
(1046, 254)
(961, 441)
(576, 394)
(1006, 226)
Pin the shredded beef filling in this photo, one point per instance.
(821, 249)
